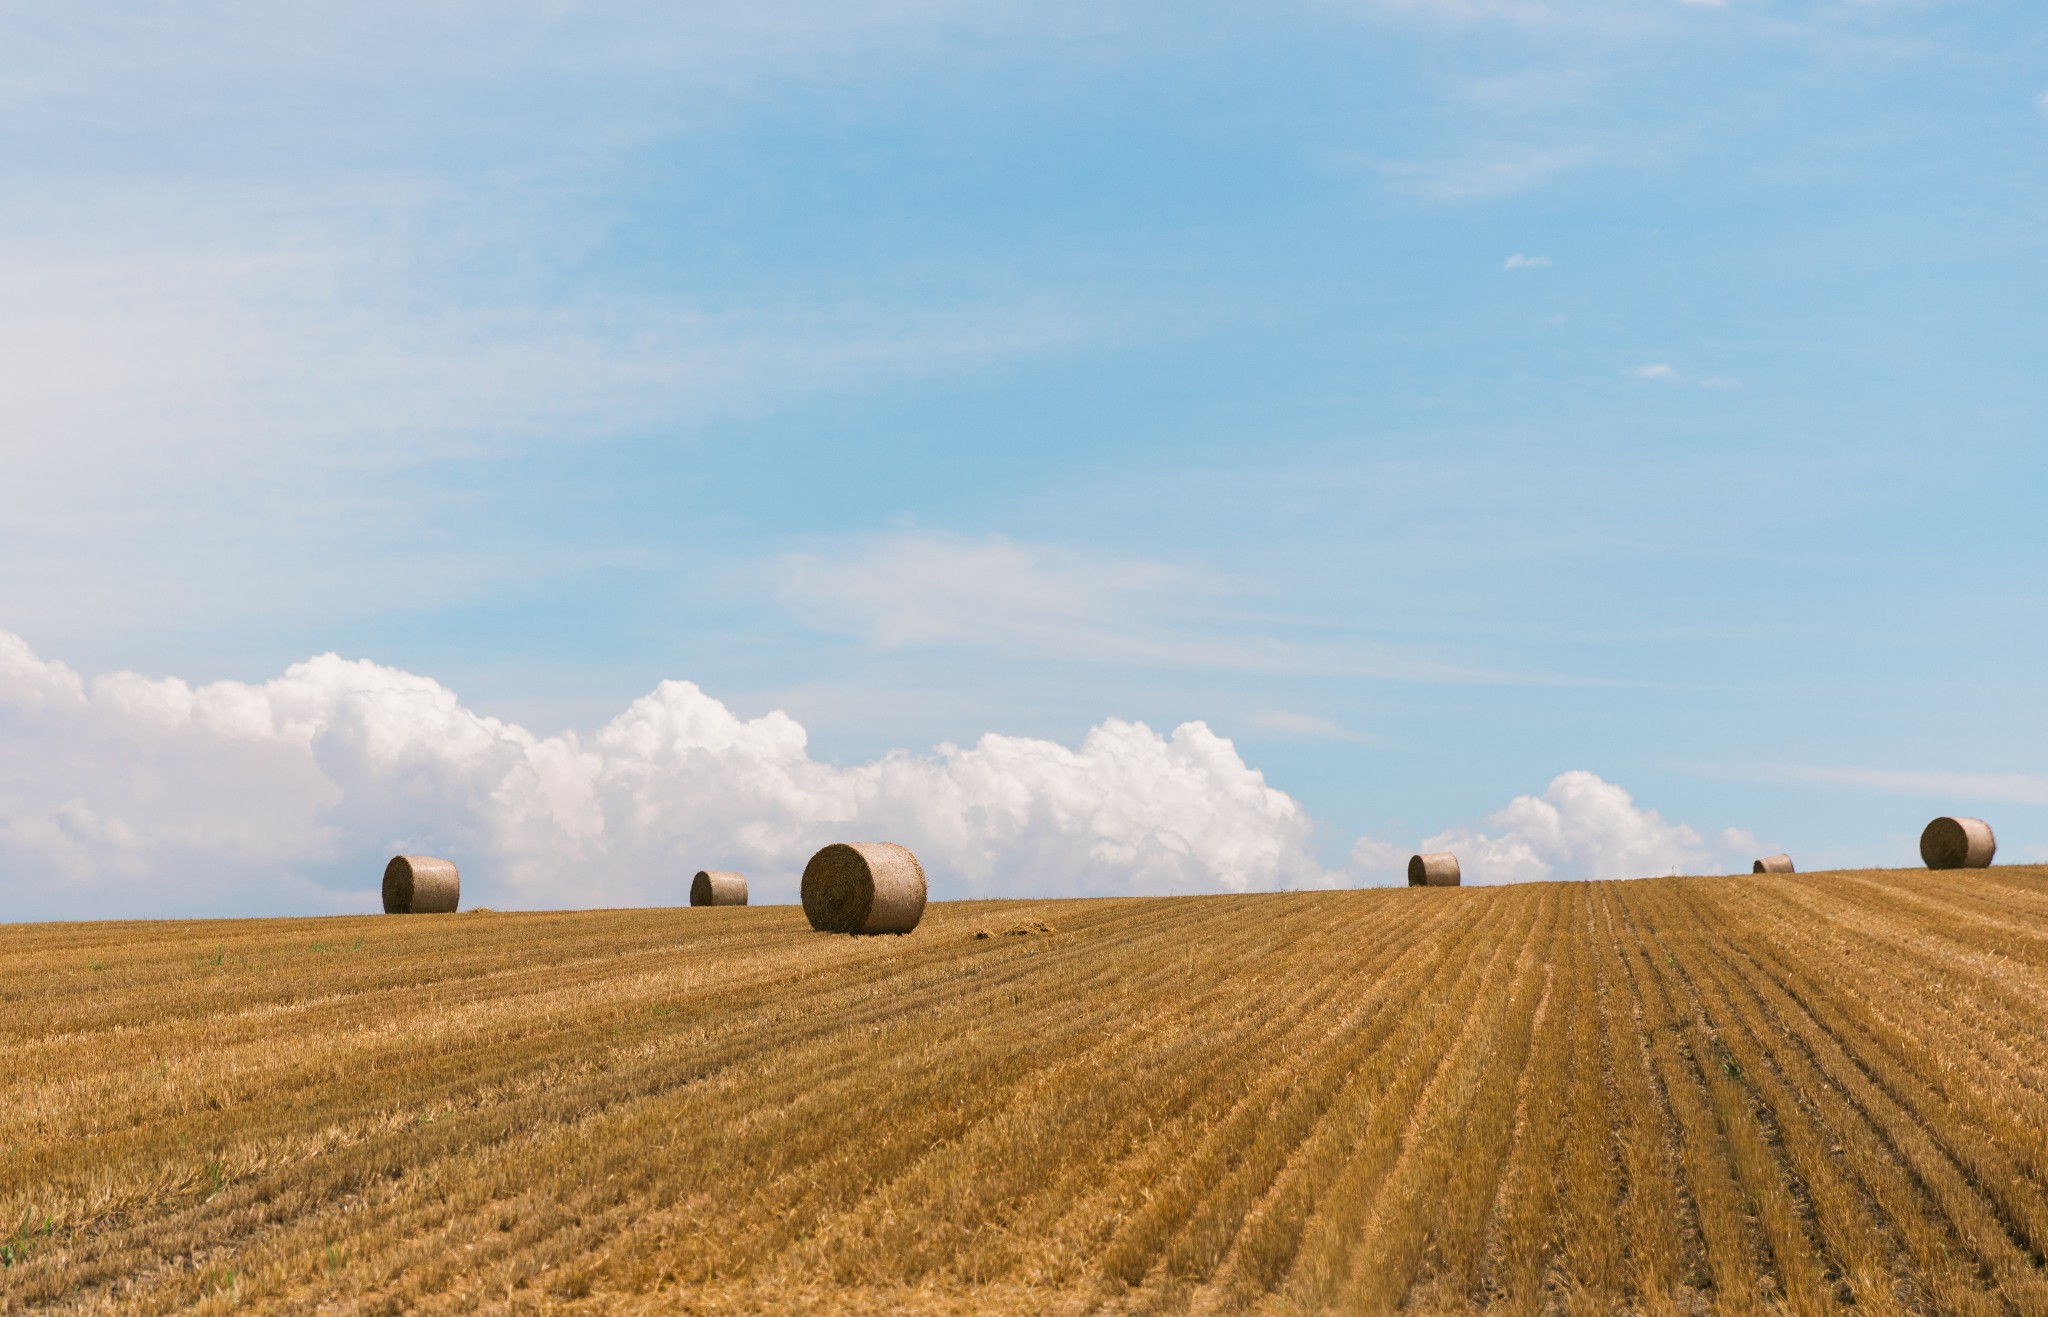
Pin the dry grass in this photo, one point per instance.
(1795, 1093)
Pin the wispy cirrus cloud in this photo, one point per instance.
(2014, 788)
(993, 593)
(1481, 178)
(1663, 372)
(284, 381)
(1289, 725)
(1520, 262)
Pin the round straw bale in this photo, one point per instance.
(1439, 869)
(1952, 843)
(863, 887)
(1779, 863)
(718, 887)
(421, 885)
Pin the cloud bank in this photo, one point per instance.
(1580, 827)
(130, 795)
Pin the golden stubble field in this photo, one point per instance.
(1753, 1094)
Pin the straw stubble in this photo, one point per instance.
(1664, 1096)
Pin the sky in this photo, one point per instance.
(1109, 448)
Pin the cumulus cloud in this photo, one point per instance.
(1581, 827)
(132, 795)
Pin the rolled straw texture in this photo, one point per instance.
(1439, 869)
(421, 885)
(718, 887)
(1779, 863)
(1951, 843)
(863, 887)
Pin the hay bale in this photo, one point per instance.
(718, 887)
(1952, 843)
(1779, 863)
(1439, 869)
(863, 887)
(421, 885)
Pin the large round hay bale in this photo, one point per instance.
(863, 887)
(1779, 863)
(718, 887)
(421, 885)
(1950, 843)
(1437, 869)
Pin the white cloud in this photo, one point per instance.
(1520, 262)
(1706, 4)
(2041, 102)
(132, 795)
(1581, 827)
(1657, 370)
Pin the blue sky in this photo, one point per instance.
(1431, 398)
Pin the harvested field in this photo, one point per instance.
(1780, 1092)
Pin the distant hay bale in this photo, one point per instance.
(421, 885)
(1952, 843)
(863, 887)
(1779, 863)
(718, 887)
(1439, 869)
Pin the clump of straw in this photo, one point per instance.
(1025, 929)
